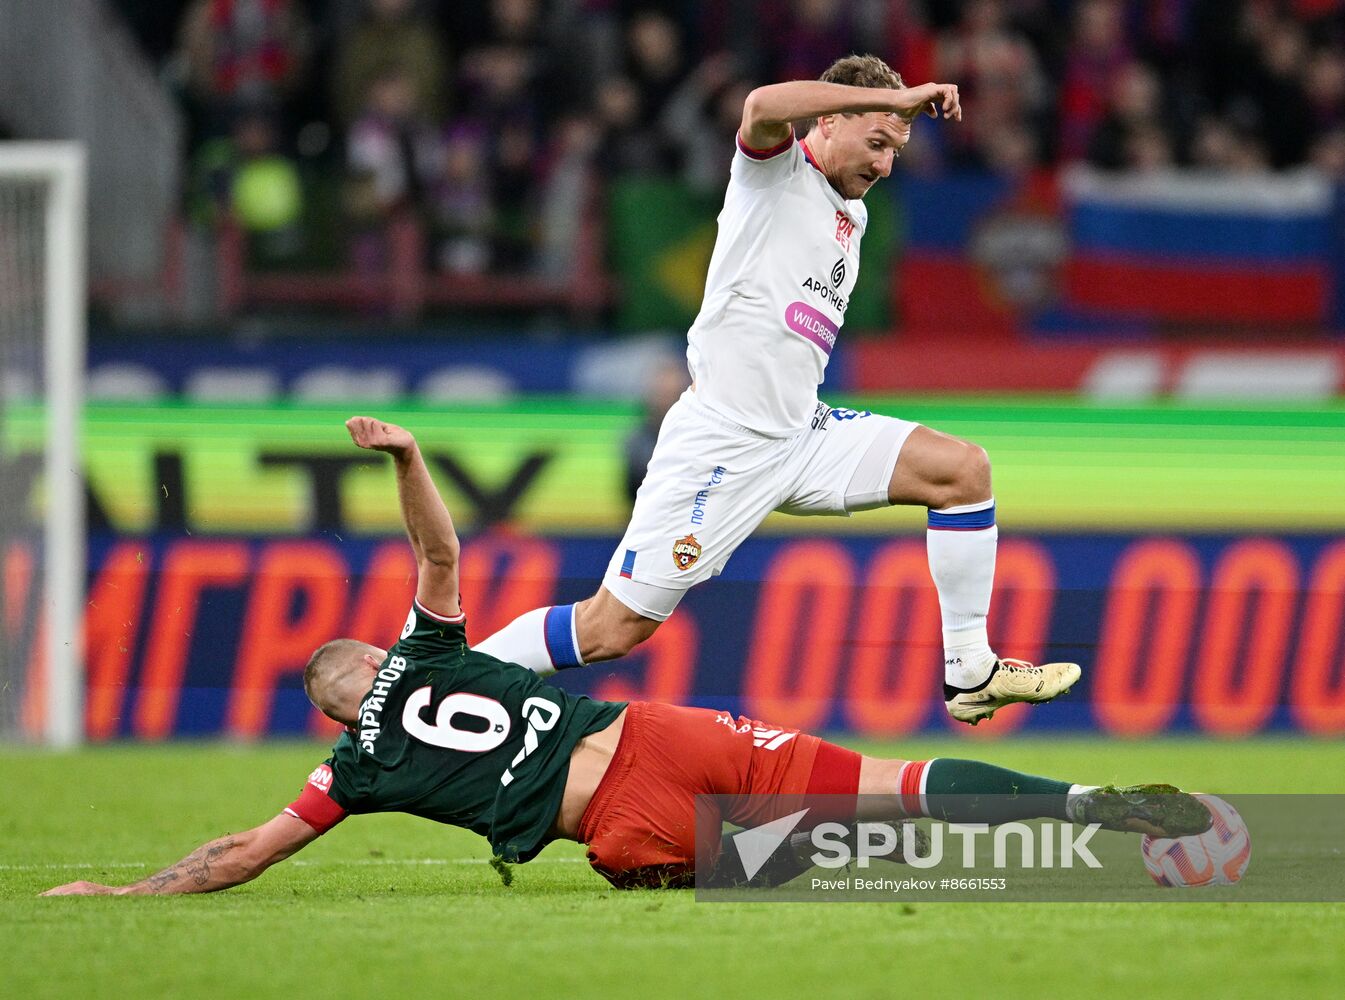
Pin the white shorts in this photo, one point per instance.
(711, 482)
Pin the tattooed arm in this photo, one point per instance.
(220, 864)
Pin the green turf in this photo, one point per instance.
(392, 906)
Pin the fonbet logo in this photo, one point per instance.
(1050, 845)
(845, 229)
(321, 778)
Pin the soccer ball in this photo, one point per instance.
(1218, 856)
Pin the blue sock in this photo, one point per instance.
(562, 642)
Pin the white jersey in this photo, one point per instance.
(784, 265)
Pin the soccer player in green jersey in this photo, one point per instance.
(440, 731)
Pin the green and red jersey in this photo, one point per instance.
(457, 737)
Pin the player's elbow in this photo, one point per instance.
(756, 107)
(441, 554)
(258, 857)
(237, 859)
(253, 864)
(244, 870)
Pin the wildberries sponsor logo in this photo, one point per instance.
(811, 325)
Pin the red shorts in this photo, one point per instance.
(640, 826)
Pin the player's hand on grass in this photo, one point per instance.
(929, 99)
(82, 889)
(379, 435)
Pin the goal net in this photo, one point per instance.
(42, 359)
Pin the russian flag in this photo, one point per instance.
(1185, 248)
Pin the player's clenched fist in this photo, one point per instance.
(379, 435)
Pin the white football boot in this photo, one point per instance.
(1010, 681)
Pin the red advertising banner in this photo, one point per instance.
(1227, 635)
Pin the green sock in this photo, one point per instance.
(970, 791)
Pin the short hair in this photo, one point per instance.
(863, 71)
(859, 71)
(330, 662)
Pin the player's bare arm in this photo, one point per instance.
(429, 526)
(769, 110)
(219, 864)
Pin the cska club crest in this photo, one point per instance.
(686, 551)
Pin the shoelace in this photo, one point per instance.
(1022, 665)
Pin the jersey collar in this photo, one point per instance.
(808, 155)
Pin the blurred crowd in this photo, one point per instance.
(479, 119)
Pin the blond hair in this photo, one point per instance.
(859, 71)
(863, 71)
(329, 666)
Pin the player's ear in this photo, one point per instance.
(371, 661)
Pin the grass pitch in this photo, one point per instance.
(391, 906)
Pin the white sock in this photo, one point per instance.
(961, 543)
(543, 640)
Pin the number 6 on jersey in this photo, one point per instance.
(444, 733)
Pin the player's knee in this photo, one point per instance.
(627, 633)
(976, 473)
(609, 629)
(970, 479)
(878, 779)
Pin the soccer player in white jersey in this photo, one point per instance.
(750, 436)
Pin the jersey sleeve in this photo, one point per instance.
(760, 168)
(315, 805)
(428, 632)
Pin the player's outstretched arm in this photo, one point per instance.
(769, 110)
(220, 864)
(428, 523)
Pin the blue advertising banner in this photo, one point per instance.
(1217, 634)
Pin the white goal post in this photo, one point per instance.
(43, 198)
